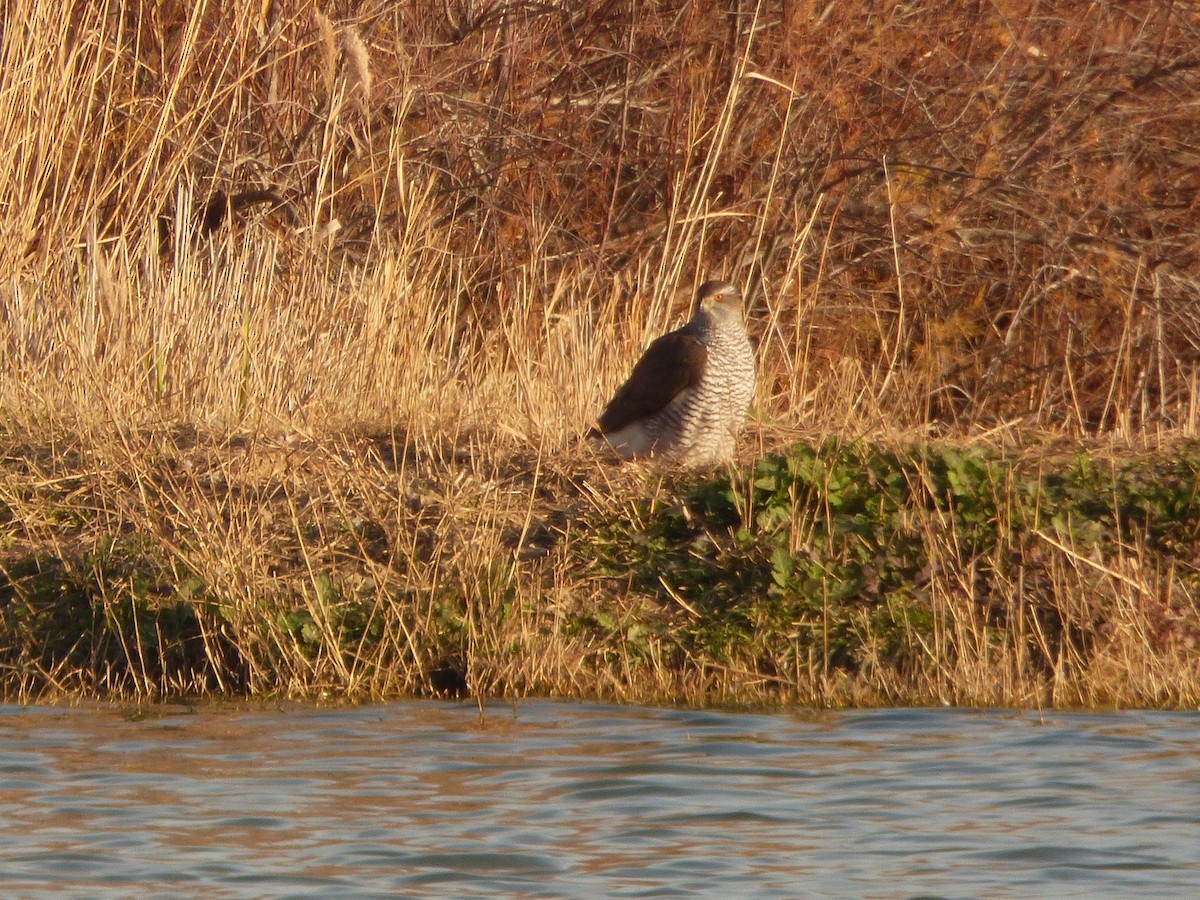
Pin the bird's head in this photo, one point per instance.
(718, 298)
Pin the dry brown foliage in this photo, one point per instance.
(986, 212)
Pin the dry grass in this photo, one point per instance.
(306, 309)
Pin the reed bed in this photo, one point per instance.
(306, 309)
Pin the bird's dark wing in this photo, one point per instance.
(673, 363)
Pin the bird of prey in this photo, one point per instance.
(687, 396)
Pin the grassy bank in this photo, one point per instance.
(305, 310)
(842, 573)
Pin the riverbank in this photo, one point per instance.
(170, 562)
(303, 314)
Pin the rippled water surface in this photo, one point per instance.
(566, 799)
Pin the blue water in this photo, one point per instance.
(555, 799)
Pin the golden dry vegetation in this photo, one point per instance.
(306, 307)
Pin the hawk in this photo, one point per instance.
(687, 397)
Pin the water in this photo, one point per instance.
(556, 799)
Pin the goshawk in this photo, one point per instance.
(687, 396)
